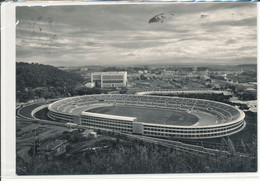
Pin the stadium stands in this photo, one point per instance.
(215, 119)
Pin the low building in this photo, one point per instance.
(89, 134)
(143, 84)
(251, 91)
(243, 86)
(216, 86)
(109, 79)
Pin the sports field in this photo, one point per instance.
(149, 115)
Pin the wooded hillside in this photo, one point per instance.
(37, 80)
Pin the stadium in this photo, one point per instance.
(157, 116)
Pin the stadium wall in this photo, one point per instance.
(234, 116)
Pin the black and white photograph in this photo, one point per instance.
(136, 88)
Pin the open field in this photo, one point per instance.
(149, 115)
(27, 132)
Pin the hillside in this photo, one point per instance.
(37, 80)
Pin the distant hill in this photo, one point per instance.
(247, 65)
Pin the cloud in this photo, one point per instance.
(118, 34)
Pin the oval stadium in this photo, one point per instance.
(157, 116)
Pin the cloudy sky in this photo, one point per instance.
(217, 33)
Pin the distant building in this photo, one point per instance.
(251, 91)
(241, 87)
(109, 79)
(89, 134)
(83, 69)
(143, 84)
(216, 86)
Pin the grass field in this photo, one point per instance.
(150, 115)
(27, 131)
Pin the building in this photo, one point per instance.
(140, 72)
(89, 134)
(215, 119)
(109, 79)
(143, 84)
(251, 91)
(241, 87)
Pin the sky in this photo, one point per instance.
(197, 33)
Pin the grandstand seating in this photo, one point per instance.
(223, 112)
(211, 114)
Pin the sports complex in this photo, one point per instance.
(157, 116)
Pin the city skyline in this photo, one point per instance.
(204, 33)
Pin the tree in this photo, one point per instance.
(33, 79)
(47, 95)
(143, 77)
(68, 148)
(123, 90)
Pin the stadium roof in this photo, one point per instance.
(108, 116)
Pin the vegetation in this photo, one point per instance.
(248, 96)
(248, 76)
(123, 90)
(44, 81)
(124, 156)
(132, 157)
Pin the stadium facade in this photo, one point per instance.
(109, 79)
(227, 119)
